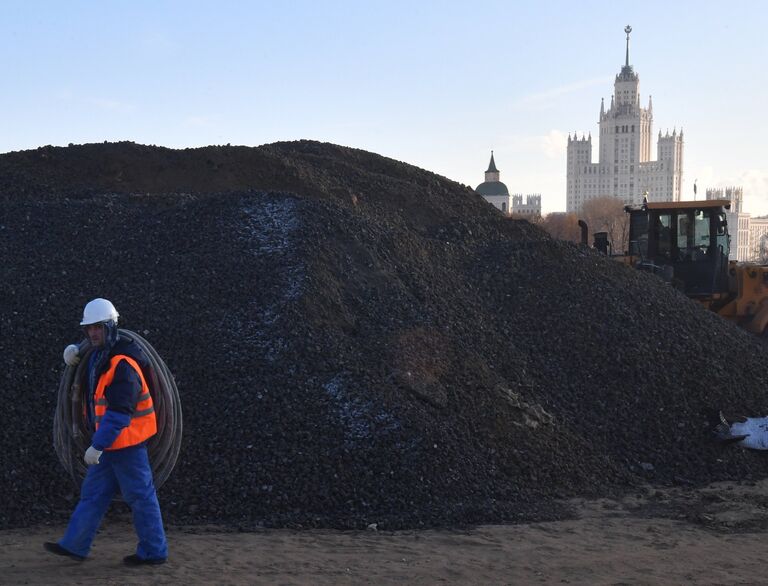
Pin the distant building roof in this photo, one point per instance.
(492, 188)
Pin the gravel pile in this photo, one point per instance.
(355, 341)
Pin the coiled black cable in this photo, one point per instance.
(72, 437)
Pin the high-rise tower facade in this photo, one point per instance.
(624, 168)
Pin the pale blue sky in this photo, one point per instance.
(434, 84)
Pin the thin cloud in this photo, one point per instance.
(552, 145)
(105, 104)
(111, 105)
(545, 98)
(754, 182)
(157, 41)
(199, 122)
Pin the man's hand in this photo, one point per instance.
(71, 355)
(92, 456)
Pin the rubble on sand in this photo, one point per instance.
(355, 341)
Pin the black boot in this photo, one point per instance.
(134, 560)
(58, 550)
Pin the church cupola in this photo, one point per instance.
(492, 186)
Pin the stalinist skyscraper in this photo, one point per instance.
(625, 169)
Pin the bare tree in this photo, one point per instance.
(759, 252)
(606, 214)
(564, 226)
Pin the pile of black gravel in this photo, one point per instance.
(355, 341)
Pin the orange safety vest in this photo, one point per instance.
(143, 421)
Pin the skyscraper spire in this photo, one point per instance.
(627, 29)
(627, 73)
(602, 108)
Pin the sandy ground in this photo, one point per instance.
(716, 535)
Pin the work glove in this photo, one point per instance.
(92, 456)
(71, 355)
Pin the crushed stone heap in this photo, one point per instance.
(355, 341)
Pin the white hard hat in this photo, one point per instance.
(98, 311)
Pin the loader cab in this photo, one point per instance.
(684, 242)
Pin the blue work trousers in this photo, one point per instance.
(129, 470)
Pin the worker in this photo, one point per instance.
(120, 411)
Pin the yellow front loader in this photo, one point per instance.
(687, 244)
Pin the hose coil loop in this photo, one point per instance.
(71, 435)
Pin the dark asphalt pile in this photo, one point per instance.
(355, 341)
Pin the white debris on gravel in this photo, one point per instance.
(357, 416)
(269, 225)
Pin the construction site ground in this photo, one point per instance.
(714, 535)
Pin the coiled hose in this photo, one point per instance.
(72, 437)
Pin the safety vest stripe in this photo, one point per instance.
(144, 397)
(143, 412)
